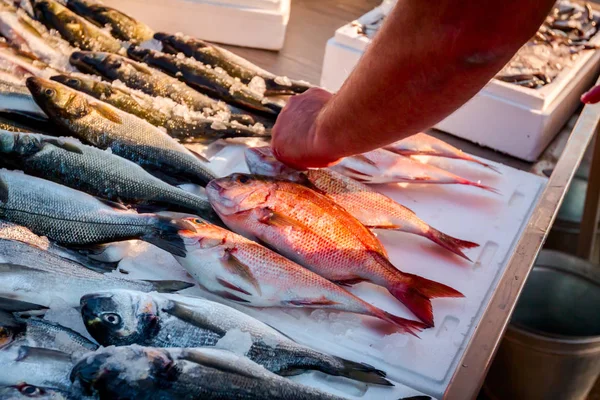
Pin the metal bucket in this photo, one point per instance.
(551, 349)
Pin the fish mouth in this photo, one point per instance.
(137, 53)
(36, 85)
(87, 61)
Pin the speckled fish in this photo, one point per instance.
(35, 366)
(180, 122)
(122, 26)
(31, 37)
(373, 209)
(422, 144)
(18, 245)
(241, 270)
(37, 332)
(312, 230)
(234, 65)
(74, 218)
(383, 166)
(124, 317)
(147, 373)
(73, 28)
(104, 126)
(210, 81)
(94, 171)
(24, 391)
(69, 282)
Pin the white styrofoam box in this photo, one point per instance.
(505, 117)
(250, 23)
(426, 364)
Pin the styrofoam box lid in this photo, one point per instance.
(260, 4)
(534, 99)
(425, 364)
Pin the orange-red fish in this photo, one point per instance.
(241, 270)
(422, 144)
(383, 166)
(373, 209)
(312, 230)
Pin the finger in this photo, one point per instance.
(592, 96)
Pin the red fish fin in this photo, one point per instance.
(416, 295)
(230, 296)
(312, 302)
(407, 325)
(349, 282)
(450, 243)
(274, 218)
(479, 185)
(198, 156)
(236, 267)
(231, 286)
(365, 159)
(355, 174)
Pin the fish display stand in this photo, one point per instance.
(250, 23)
(515, 120)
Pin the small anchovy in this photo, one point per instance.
(104, 126)
(214, 82)
(73, 28)
(24, 391)
(124, 317)
(147, 373)
(234, 65)
(122, 26)
(180, 122)
(94, 171)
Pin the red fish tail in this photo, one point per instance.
(416, 294)
(488, 166)
(479, 185)
(450, 243)
(406, 325)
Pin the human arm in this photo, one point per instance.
(428, 59)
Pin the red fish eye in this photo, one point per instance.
(243, 179)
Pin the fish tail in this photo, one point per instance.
(479, 185)
(356, 371)
(416, 293)
(406, 325)
(450, 243)
(164, 234)
(488, 166)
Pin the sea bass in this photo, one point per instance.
(312, 230)
(234, 65)
(214, 82)
(128, 136)
(241, 270)
(15, 98)
(124, 317)
(94, 171)
(73, 28)
(383, 166)
(70, 217)
(22, 65)
(24, 391)
(122, 26)
(371, 208)
(422, 144)
(180, 123)
(147, 373)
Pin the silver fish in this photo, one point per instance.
(16, 98)
(128, 136)
(124, 317)
(144, 373)
(94, 171)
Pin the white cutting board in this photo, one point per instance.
(424, 365)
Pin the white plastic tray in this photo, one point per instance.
(506, 117)
(416, 365)
(250, 23)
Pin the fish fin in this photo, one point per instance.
(186, 314)
(481, 186)
(165, 235)
(355, 174)
(416, 292)
(365, 159)
(113, 204)
(14, 305)
(3, 191)
(274, 218)
(7, 267)
(199, 156)
(169, 286)
(450, 243)
(150, 208)
(231, 286)
(357, 371)
(416, 398)
(67, 146)
(214, 362)
(230, 296)
(235, 266)
(105, 111)
(38, 353)
(171, 180)
(312, 302)
(349, 282)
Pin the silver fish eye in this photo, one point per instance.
(111, 318)
(29, 390)
(49, 92)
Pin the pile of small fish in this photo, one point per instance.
(96, 126)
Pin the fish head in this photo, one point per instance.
(261, 161)
(48, 11)
(9, 329)
(120, 317)
(58, 101)
(25, 391)
(203, 233)
(138, 53)
(94, 62)
(238, 193)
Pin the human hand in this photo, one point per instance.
(592, 96)
(296, 138)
